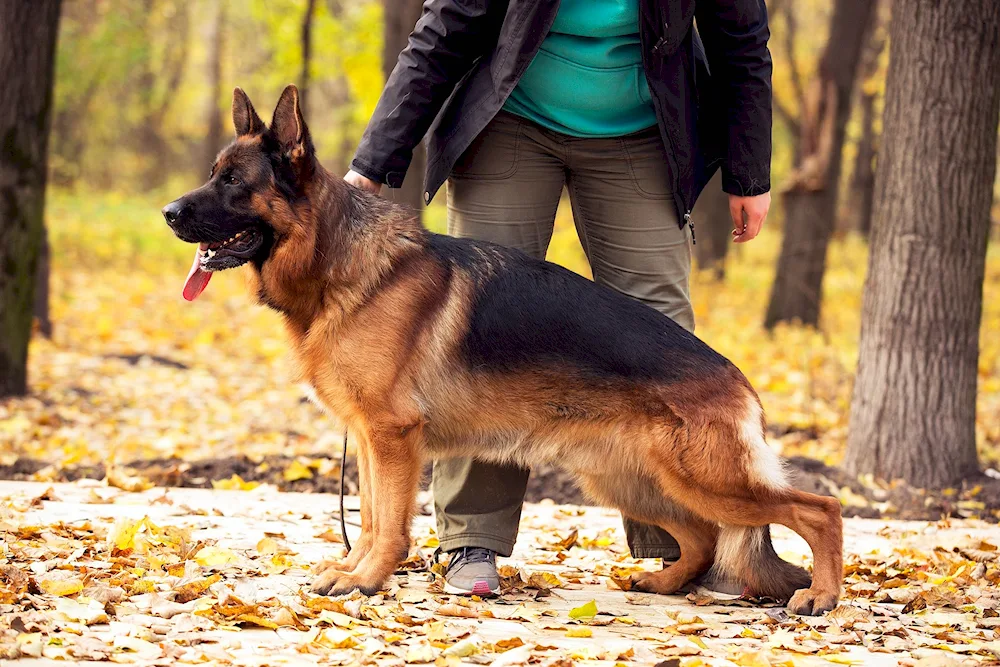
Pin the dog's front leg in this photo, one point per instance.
(393, 473)
(331, 570)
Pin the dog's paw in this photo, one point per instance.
(326, 580)
(348, 583)
(654, 582)
(807, 602)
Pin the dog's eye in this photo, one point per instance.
(232, 180)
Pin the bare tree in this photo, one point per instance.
(811, 193)
(150, 138)
(863, 179)
(913, 412)
(28, 33)
(215, 36)
(785, 9)
(307, 24)
(400, 18)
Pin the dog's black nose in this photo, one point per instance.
(172, 211)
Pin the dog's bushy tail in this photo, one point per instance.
(747, 555)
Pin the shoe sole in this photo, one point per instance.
(480, 588)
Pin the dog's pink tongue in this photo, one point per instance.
(197, 279)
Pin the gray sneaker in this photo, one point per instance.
(472, 571)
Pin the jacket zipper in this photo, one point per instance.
(655, 51)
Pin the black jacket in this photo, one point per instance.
(465, 56)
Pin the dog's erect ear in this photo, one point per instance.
(289, 127)
(245, 118)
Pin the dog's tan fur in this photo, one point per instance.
(377, 324)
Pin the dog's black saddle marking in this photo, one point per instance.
(528, 312)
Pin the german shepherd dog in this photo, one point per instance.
(432, 346)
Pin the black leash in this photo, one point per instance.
(343, 469)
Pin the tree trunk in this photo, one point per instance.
(913, 412)
(303, 86)
(863, 181)
(811, 193)
(28, 33)
(400, 16)
(40, 308)
(215, 138)
(863, 178)
(715, 225)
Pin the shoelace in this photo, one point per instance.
(472, 555)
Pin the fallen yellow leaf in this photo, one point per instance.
(61, 587)
(296, 470)
(234, 483)
(267, 546)
(214, 556)
(584, 612)
(121, 537)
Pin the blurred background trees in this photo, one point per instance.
(141, 84)
(141, 104)
(811, 189)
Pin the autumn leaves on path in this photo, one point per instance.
(89, 572)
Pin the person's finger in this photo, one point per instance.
(755, 221)
(736, 213)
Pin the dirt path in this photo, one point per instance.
(89, 572)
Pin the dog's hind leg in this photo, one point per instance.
(743, 507)
(744, 549)
(394, 474)
(817, 519)
(641, 499)
(697, 542)
(330, 570)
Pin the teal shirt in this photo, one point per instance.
(587, 78)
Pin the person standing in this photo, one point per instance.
(625, 104)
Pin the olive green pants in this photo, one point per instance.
(505, 189)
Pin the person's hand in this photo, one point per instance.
(363, 182)
(748, 215)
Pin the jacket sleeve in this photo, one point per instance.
(735, 35)
(445, 42)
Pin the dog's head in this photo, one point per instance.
(246, 209)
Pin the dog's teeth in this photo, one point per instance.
(238, 234)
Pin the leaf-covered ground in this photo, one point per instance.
(181, 576)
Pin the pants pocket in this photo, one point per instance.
(647, 165)
(493, 153)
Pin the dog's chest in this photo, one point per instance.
(309, 391)
(329, 398)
